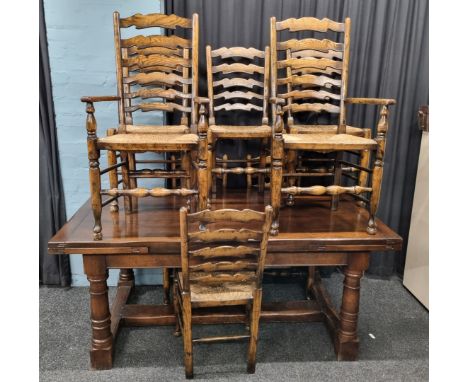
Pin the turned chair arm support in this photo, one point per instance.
(92, 99)
(371, 101)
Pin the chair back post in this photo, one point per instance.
(344, 77)
(118, 68)
(209, 76)
(264, 245)
(266, 85)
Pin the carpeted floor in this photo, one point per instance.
(286, 352)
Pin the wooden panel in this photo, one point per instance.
(309, 79)
(168, 106)
(319, 63)
(140, 21)
(241, 216)
(155, 59)
(316, 107)
(157, 93)
(238, 106)
(250, 53)
(237, 68)
(231, 82)
(157, 40)
(300, 94)
(157, 78)
(309, 23)
(226, 234)
(238, 94)
(309, 43)
(224, 251)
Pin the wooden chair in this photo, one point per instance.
(316, 71)
(241, 75)
(150, 67)
(217, 272)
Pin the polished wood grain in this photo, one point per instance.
(150, 238)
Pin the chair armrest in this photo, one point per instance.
(371, 101)
(99, 98)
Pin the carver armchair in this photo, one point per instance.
(154, 73)
(310, 75)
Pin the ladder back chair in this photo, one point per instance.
(238, 82)
(311, 75)
(221, 265)
(154, 73)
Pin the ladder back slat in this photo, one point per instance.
(310, 23)
(140, 21)
(224, 251)
(249, 53)
(226, 234)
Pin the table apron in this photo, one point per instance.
(272, 260)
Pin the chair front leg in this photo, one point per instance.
(94, 171)
(128, 200)
(291, 168)
(263, 155)
(337, 179)
(113, 178)
(211, 162)
(364, 162)
(187, 334)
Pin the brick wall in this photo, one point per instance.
(81, 51)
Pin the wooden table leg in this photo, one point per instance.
(346, 341)
(101, 342)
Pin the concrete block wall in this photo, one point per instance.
(81, 51)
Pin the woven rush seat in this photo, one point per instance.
(155, 142)
(225, 291)
(227, 131)
(327, 142)
(324, 129)
(156, 129)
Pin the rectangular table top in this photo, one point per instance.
(308, 226)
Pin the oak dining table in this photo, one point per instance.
(310, 235)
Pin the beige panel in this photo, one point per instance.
(416, 277)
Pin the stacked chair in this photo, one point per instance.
(222, 261)
(311, 75)
(239, 81)
(149, 67)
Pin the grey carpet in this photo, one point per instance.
(301, 351)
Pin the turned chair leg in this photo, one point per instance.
(128, 201)
(248, 163)
(254, 323)
(263, 155)
(96, 199)
(187, 334)
(337, 179)
(166, 285)
(291, 168)
(310, 282)
(175, 302)
(211, 162)
(364, 162)
(113, 179)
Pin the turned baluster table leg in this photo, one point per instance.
(101, 342)
(347, 342)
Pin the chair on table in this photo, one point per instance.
(158, 68)
(238, 82)
(216, 272)
(314, 80)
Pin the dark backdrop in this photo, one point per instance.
(53, 270)
(389, 59)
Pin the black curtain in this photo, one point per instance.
(53, 270)
(389, 59)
